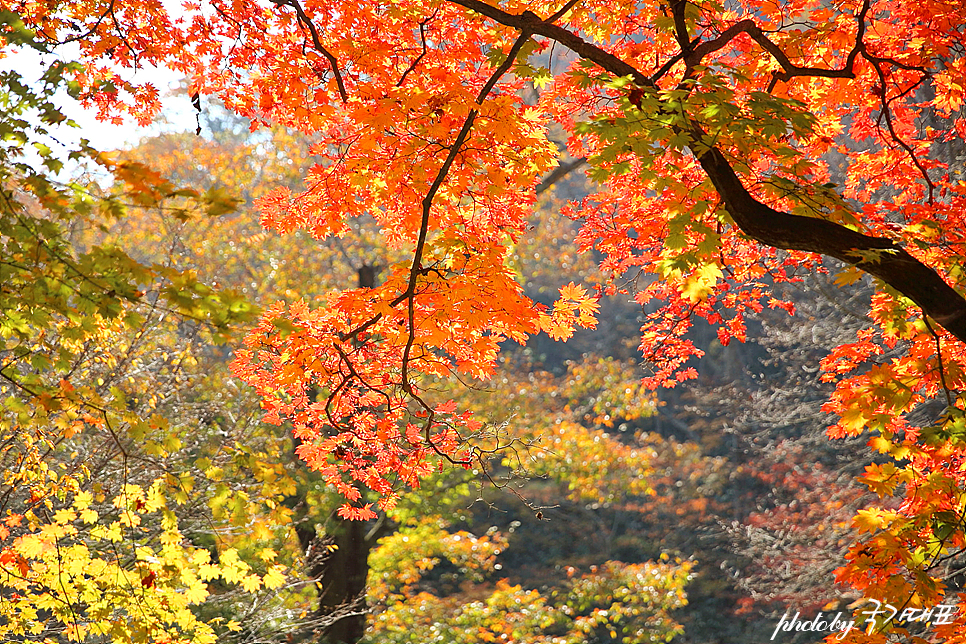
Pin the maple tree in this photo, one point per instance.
(575, 407)
(707, 127)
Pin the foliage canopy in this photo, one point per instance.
(713, 131)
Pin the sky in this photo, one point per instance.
(178, 114)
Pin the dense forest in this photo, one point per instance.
(537, 348)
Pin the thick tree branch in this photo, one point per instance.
(877, 256)
(678, 8)
(530, 22)
(559, 173)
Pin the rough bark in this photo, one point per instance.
(342, 576)
(891, 263)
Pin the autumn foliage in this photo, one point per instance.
(714, 132)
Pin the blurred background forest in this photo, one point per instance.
(143, 499)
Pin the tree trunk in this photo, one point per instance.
(341, 572)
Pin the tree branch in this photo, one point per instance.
(559, 173)
(532, 23)
(878, 256)
(317, 42)
(693, 55)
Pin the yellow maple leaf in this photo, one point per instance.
(251, 583)
(196, 592)
(83, 499)
(873, 519)
(573, 292)
(64, 516)
(275, 577)
(207, 571)
(155, 499)
(701, 283)
(31, 545)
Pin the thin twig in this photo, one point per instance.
(939, 360)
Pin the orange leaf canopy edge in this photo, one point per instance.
(709, 130)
